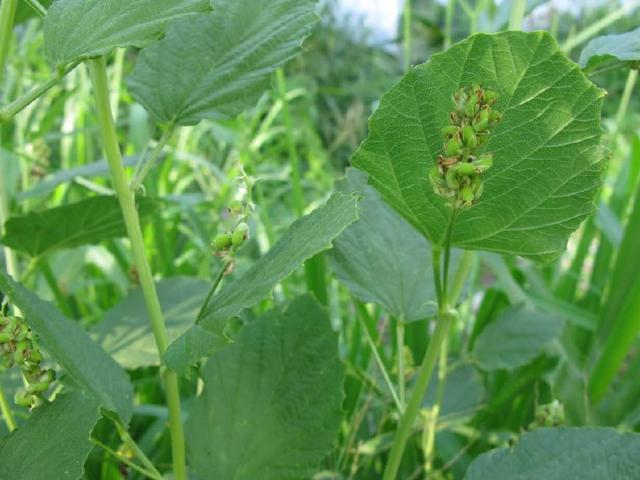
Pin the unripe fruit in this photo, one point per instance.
(452, 147)
(23, 398)
(39, 387)
(483, 162)
(222, 242)
(495, 117)
(5, 337)
(469, 136)
(465, 168)
(449, 131)
(452, 180)
(240, 234)
(235, 207)
(490, 96)
(467, 195)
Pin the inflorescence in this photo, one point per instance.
(458, 175)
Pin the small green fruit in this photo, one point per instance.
(464, 168)
(5, 337)
(452, 147)
(490, 96)
(23, 398)
(222, 242)
(483, 162)
(467, 195)
(449, 131)
(469, 136)
(240, 234)
(452, 179)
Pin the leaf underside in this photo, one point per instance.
(218, 65)
(80, 29)
(547, 153)
(271, 405)
(624, 47)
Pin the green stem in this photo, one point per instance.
(596, 27)
(517, 14)
(7, 414)
(406, 35)
(130, 442)
(132, 222)
(435, 409)
(7, 18)
(15, 107)
(214, 287)
(464, 267)
(125, 460)
(448, 23)
(380, 363)
(400, 357)
(37, 7)
(426, 369)
(146, 164)
(422, 382)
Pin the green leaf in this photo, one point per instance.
(383, 259)
(54, 443)
(271, 405)
(563, 453)
(88, 221)
(80, 29)
(515, 338)
(624, 47)
(547, 153)
(463, 391)
(82, 359)
(125, 331)
(305, 238)
(218, 65)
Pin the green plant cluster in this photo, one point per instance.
(19, 346)
(458, 175)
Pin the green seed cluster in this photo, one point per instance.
(19, 346)
(228, 242)
(458, 175)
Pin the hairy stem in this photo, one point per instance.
(132, 222)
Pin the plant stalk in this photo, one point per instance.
(7, 414)
(132, 223)
(448, 23)
(517, 14)
(406, 35)
(7, 18)
(15, 107)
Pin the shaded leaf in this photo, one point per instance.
(624, 47)
(563, 453)
(305, 238)
(383, 259)
(85, 222)
(463, 391)
(218, 65)
(76, 29)
(548, 157)
(515, 338)
(54, 442)
(271, 405)
(125, 331)
(83, 360)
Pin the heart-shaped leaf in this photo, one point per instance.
(271, 405)
(217, 65)
(547, 153)
(79, 29)
(53, 443)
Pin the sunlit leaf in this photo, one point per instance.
(548, 158)
(624, 47)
